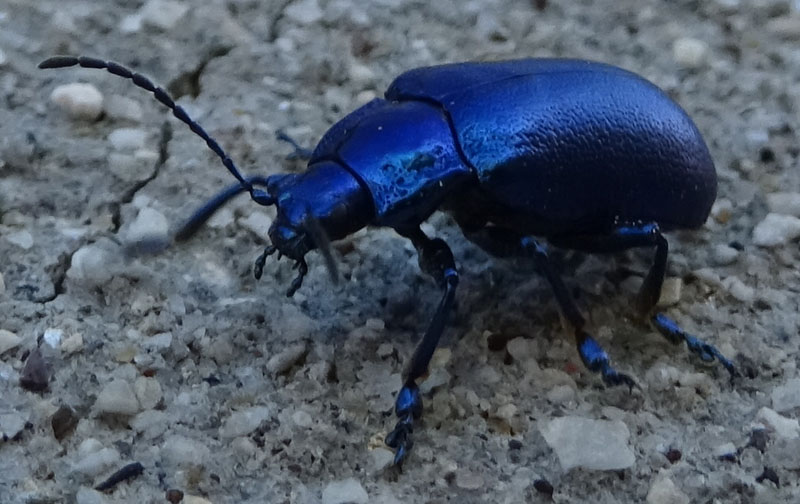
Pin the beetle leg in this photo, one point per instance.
(592, 354)
(647, 235)
(261, 260)
(435, 259)
(300, 153)
(302, 270)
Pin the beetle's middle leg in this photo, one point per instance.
(647, 235)
(435, 259)
(504, 243)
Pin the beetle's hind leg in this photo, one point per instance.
(435, 259)
(504, 243)
(644, 235)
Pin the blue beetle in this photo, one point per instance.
(589, 156)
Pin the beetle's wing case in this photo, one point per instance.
(570, 145)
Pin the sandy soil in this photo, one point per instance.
(225, 390)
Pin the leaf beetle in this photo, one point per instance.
(586, 155)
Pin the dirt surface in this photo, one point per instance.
(225, 390)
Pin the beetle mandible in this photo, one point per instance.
(586, 155)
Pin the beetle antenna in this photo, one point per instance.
(321, 241)
(258, 195)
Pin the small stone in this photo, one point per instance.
(785, 203)
(72, 345)
(787, 428)
(195, 499)
(96, 462)
(469, 480)
(8, 340)
(63, 422)
(722, 210)
(725, 450)
(776, 229)
(786, 397)
(87, 495)
(304, 12)
(2, 285)
(131, 23)
(163, 14)
(181, 451)
(117, 397)
(738, 289)
(22, 239)
(53, 337)
(664, 491)
(91, 263)
(521, 349)
(123, 108)
(385, 350)
(347, 491)
(148, 392)
(690, 52)
(3, 58)
(590, 444)
(241, 423)
(360, 75)
(128, 139)
(561, 394)
(724, 255)
(302, 419)
(670, 291)
(257, 222)
(11, 424)
(80, 101)
(282, 361)
(35, 375)
(786, 27)
(150, 224)
(380, 459)
(150, 423)
(174, 496)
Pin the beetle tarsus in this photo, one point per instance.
(707, 353)
(408, 408)
(258, 268)
(302, 270)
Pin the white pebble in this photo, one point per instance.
(787, 428)
(785, 203)
(22, 239)
(561, 394)
(664, 491)
(241, 423)
(724, 255)
(184, 452)
(96, 462)
(670, 291)
(304, 12)
(347, 491)
(285, 359)
(148, 392)
(90, 264)
(590, 444)
(53, 337)
(149, 224)
(690, 52)
(787, 396)
(776, 229)
(785, 27)
(257, 222)
(195, 499)
(163, 14)
(117, 397)
(128, 139)
(72, 344)
(380, 459)
(79, 100)
(8, 340)
(131, 23)
(11, 424)
(725, 449)
(738, 289)
(2, 285)
(302, 419)
(123, 108)
(3, 58)
(88, 495)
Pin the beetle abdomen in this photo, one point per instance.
(571, 145)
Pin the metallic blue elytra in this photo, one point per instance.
(584, 155)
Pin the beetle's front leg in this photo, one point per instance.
(435, 259)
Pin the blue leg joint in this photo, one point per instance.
(670, 330)
(408, 408)
(596, 360)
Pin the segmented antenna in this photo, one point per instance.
(259, 196)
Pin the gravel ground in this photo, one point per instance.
(225, 390)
